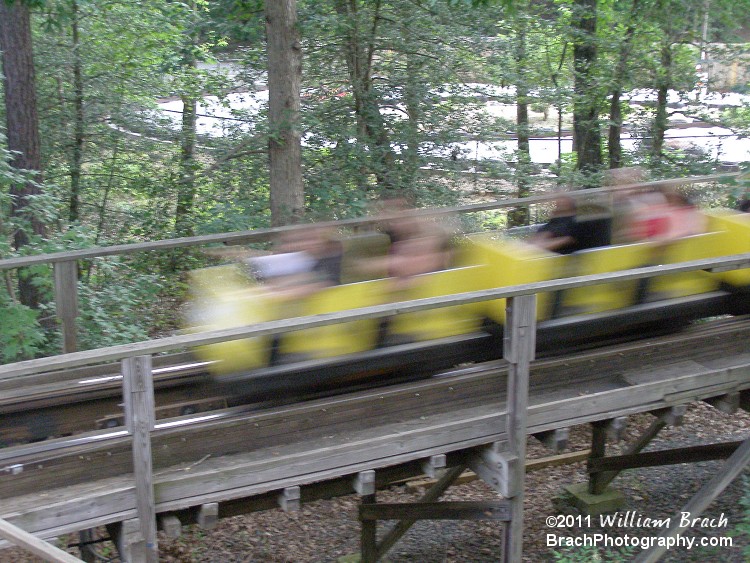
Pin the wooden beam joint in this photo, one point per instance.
(364, 483)
(671, 416)
(555, 440)
(728, 403)
(432, 465)
(497, 470)
(289, 499)
(208, 515)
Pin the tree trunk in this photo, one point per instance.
(660, 120)
(359, 51)
(520, 215)
(78, 124)
(614, 146)
(22, 123)
(186, 184)
(284, 77)
(587, 137)
(413, 94)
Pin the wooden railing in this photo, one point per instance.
(519, 349)
(66, 264)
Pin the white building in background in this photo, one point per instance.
(728, 66)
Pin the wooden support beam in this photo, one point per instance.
(138, 393)
(65, 276)
(364, 482)
(556, 440)
(738, 461)
(171, 526)
(85, 539)
(602, 430)
(433, 464)
(599, 432)
(727, 404)
(208, 515)
(289, 499)
(30, 542)
(369, 535)
(531, 465)
(456, 510)
(745, 400)
(556, 460)
(690, 454)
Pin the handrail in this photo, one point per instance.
(30, 367)
(264, 235)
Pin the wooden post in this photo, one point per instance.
(30, 542)
(138, 393)
(598, 450)
(519, 348)
(88, 554)
(66, 302)
(369, 536)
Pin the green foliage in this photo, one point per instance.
(114, 302)
(737, 118)
(734, 189)
(21, 336)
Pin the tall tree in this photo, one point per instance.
(189, 94)
(520, 216)
(586, 133)
(677, 25)
(76, 161)
(359, 45)
(614, 147)
(22, 125)
(284, 143)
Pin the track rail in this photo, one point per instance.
(711, 345)
(84, 399)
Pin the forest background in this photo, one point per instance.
(364, 96)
